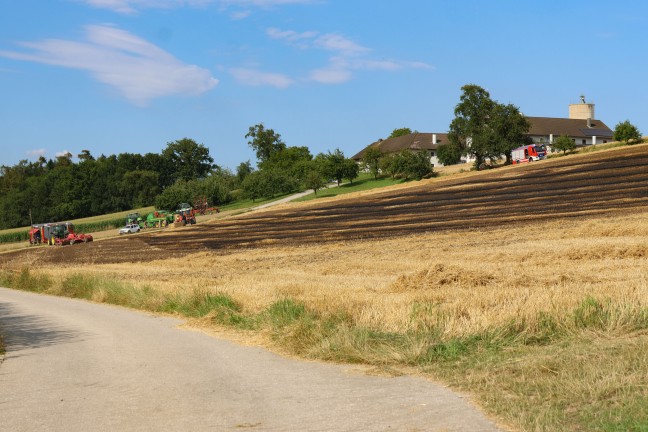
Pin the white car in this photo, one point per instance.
(130, 228)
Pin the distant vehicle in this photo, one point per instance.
(528, 153)
(130, 228)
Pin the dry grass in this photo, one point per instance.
(476, 280)
(547, 325)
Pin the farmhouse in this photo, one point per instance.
(581, 127)
(415, 141)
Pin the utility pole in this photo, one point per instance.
(31, 222)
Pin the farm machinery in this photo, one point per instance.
(184, 215)
(201, 207)
(157, 219)
(60, 234)
(134, 218)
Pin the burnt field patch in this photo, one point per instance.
(573, 187)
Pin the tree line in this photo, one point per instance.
(63, 189)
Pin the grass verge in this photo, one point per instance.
(583, 369)
(363, 183)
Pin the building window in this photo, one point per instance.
(584, 141)
(604, 141)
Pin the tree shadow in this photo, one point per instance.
(22, 331)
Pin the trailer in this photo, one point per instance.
(528, 153)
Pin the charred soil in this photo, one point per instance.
(579, 186)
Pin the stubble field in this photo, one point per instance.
(526, 287)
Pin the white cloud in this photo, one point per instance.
(255, 77)
(290, 35)
(336, 42)
(36, 153)
(139, 70)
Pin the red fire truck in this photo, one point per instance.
(528, 153)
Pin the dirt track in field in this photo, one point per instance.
(577, 186)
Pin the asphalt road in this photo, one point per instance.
(77, 366)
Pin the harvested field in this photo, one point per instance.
(607, 182)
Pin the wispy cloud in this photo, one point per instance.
(255, 77)
(290, 35)
(348, 56)
(338, 43)
(134, 6)
(139, 70)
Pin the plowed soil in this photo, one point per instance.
(578, 186)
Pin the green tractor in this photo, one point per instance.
(133, 218)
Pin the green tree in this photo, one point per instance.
(189, 159)
(564, 144)
(314, 181)
(371, 161)
(417, 165)
(172, 196)
(289, 160)
(626, 132)
(400, 132)
(350, 170)
(265, 142)
(332, 165)
(448, 154)
(243, 170)
(470, 131)
(140, 188)
(389, 164)
(510, 128)
(253, 186)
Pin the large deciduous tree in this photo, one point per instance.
(265, 142)
(469, 130)
(189, 159)
(484, 128)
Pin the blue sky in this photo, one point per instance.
(114, 76)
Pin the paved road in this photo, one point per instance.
(77, 366)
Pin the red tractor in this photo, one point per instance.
(57, 234)
(185, 215)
